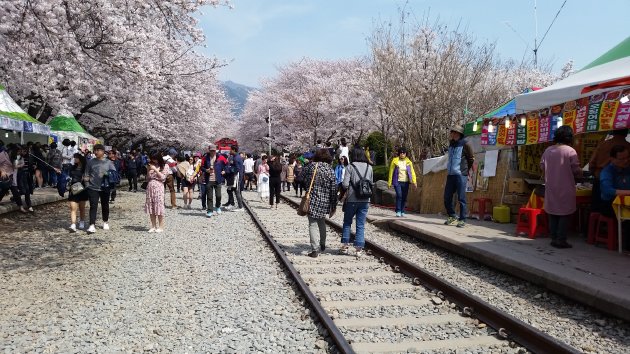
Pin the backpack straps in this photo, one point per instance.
(359, 174)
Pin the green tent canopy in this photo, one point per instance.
(66, 123)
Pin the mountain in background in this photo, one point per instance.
(237, 93)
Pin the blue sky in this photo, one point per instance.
(258, 35)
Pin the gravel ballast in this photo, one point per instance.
(204, 285)
(582, 327)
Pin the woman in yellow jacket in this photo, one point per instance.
(401, 174)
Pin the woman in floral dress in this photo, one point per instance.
(154, 204)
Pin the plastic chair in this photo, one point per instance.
(609, 235)
(528, 223)
(483, 204)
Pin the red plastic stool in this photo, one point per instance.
(593, 220)
(530, 224)
(482, 207)
(608, 236)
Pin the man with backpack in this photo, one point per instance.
(358, 186)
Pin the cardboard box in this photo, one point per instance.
(515, 199)
(518, 186)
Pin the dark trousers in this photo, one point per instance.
(179, 183)
(94, 197)
(558, 227)
(297, 185)
(275, 183)
(286, 185)
(213, 187)
(132, 177)
(24, 186)
(15, 195)
(232, 192)
(455, 184)
(251, 180)
(112, 194)
(402, 190)
(52, 178)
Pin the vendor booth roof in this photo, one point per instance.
(66, 123)
(506, 109)
(608, 71)
(9, 108)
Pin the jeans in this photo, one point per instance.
(210, 188)
(132, 177)
(455, 184)
(359, 209)
(287, 186)
(112, 195)
(94, 197)
(297, 185)
(274, 189)
(52, 178)
(558, 227)
(402, 190)
(317, 232)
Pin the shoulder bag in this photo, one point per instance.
(306, 200)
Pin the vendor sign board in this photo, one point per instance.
(597, 113)
(10, 124)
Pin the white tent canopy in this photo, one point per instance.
(610, 70)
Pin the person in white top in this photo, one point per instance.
(67, 155)
(343, 150)
(248, 164)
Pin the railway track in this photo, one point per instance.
(382, 303)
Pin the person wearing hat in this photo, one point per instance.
(401, 175)
(96, 169)
(460, 161)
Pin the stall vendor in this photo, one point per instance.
(600, 159)
(615, 181)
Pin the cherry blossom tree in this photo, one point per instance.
(124, 68)
(309, 100)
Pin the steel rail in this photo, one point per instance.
(342, 344)
(507, 326)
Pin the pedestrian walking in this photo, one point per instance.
(275, 180)
(263, 179)
(283, 174)
(98, 188)
(214, 168)
(170, 179)
(340, 169)
(185, 173)
(460, 161)
(297, 181)
(248, 166)
(234, 179)
(133, 164)
(157, 171)
(38, 164)
(401, 175)
(113, 157)
(560, 166)
(78, 195)
(55, 160)
(355, 203)
(323, 198)
(9, 157)
(343, 149)
(290, 173)
(23, 175)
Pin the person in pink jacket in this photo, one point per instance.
(560, 167)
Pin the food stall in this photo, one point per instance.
(16, 126)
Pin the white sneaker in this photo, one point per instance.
(151, 230)
(91, 229)
(105, 226)
(81, 225)
(73, 228)
(159, 230)
(229, 207)
(30, 209)
(238, 209)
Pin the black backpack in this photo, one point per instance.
(364, 189)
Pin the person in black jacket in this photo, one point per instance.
(113, 156)
(77, 200)
(133, 164)
(275, 179)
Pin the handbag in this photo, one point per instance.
(306, 199)
(76, 188)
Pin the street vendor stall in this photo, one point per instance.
(65, 126)
(16, 125)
